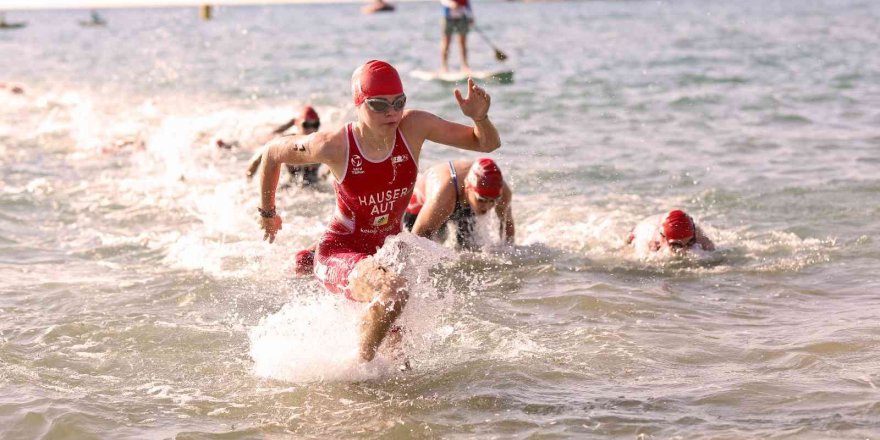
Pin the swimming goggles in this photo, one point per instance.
(481, 199)
(312, 124)
(681, 244)
(381, 105)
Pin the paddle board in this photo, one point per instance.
(497, 76)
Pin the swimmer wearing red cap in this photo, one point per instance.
(307, 123)
(457, 192)
(675, 231)
(375, 162)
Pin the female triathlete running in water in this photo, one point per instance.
(375, 162)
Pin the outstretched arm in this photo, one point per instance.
(282, 128)
(703, 240)
(482, 137)
(254, 164)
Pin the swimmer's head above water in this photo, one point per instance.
(679, 231)
(377, 91)
(483, 185)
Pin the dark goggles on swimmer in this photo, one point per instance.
(481, 199)
(681, 244)
(381, 105)
(312, 124)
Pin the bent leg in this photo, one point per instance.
(387, 294)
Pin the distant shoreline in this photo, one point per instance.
(28, 5)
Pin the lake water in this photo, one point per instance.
(138, 300)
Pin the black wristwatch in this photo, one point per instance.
(266, 213)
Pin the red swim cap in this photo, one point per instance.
(485, 178)
(373, 79)
(305, 262)
(678, 226)
(309, 114)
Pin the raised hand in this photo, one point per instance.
(476, 104)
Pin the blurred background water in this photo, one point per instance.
(138, 300)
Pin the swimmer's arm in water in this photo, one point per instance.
(439, 204)
(254, 163)
(504, 211)
(656, 242)
(282, 128)
(315, 148)
(703, 240)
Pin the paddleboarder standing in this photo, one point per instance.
(458, 17)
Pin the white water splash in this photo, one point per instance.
(316, 338)
(313, 339)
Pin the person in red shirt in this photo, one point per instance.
(375, 162)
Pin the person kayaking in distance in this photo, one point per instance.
(375, 162)
(458, 192)
(674, 231)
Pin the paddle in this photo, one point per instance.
(499, 55)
